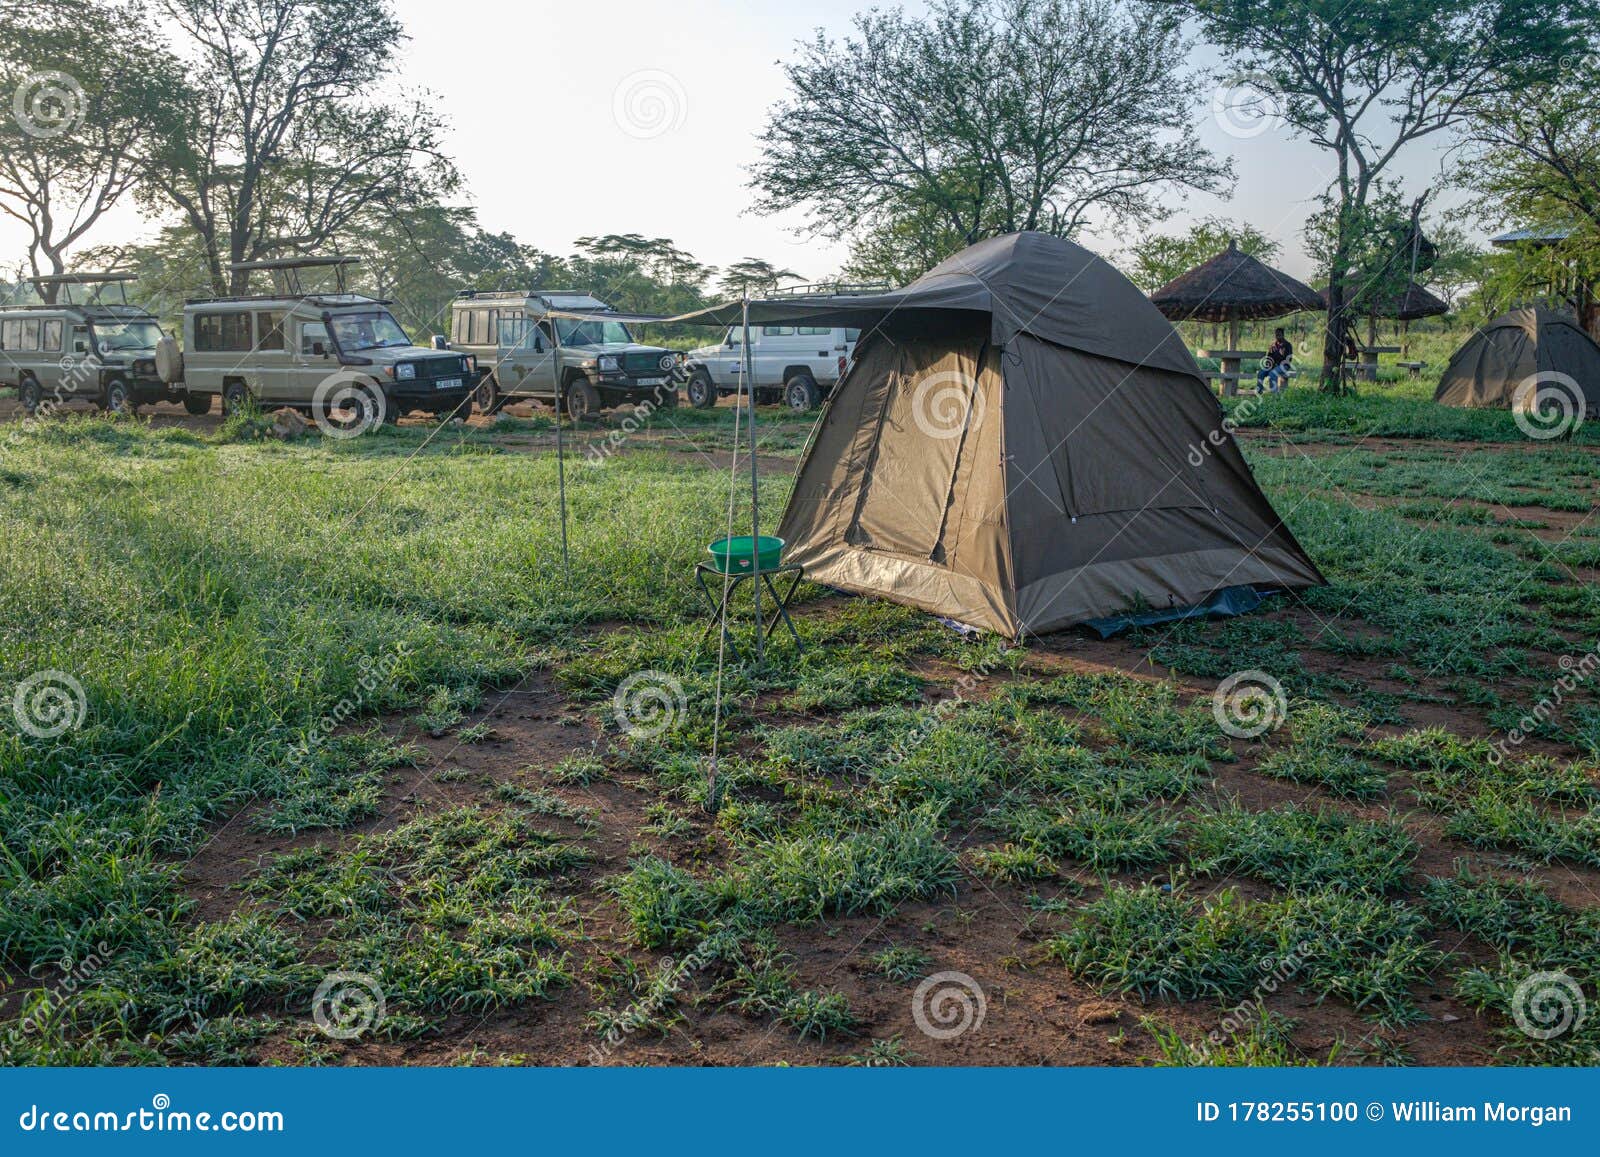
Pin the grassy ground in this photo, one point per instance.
(350, 731)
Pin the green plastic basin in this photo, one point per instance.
(735, 556)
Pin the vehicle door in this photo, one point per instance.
(527, 358)
(313, 358)
(730, 362)
(53, 367)
(274, 363)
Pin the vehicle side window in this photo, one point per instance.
(459, 326)
(777, 331)
(482, 334)
(10, 334)
(312, 332)
(80, 339)
(52, 336)
(811, 330)
(852, 335)
(222, 333)
(270, 327)
(30, 335)
(515, 331)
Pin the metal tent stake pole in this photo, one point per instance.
(755, 485)
(561, 464)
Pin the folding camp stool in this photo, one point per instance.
(718, 604)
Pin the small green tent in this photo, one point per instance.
(1522, 360)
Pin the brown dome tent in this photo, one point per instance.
(1544, 349)
(1023, 443)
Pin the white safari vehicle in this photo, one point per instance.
(89, 344)
(340, 356)
(797, 364)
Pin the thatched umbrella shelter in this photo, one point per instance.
(1233, 287)
(1406, 306)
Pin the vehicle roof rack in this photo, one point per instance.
(286, 280)
(833, 289)
(101, 281)
(469, 293)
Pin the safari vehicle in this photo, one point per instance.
(90, 344)
(591, 364)
(797, 364)
(339, 355)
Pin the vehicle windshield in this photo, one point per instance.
(367, 331)
(112, 336)
(580, 333)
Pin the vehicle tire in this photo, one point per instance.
(702, 392)
(119, 399)
(31, 395)
(583, 401)
(197, 404)
(800, 393)
(487, 398)
(667, 396)
(235, 398)
(169, 361)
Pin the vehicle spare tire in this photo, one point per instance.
(169, 361)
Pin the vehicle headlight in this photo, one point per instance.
(609, 364)
(405, 371)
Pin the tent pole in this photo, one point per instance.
(755, 484)
(561, 460)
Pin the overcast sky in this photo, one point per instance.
(628, 116)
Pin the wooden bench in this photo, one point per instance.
(1412, 368)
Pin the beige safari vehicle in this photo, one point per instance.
(89, 344)
(337, 355)
(590, 363)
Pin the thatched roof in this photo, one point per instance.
(1233, 285)
(1415, 302)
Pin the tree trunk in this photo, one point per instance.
(1332, 339)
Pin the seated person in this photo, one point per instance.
(1277, 364)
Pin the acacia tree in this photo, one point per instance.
(282, 149)
(1537, 164)
(1363, 79)
(984, 117)
(84, 95)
